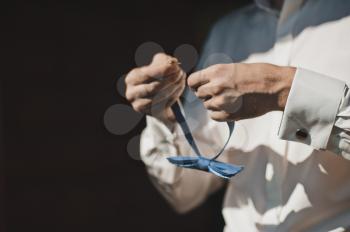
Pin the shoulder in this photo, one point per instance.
(239, 17)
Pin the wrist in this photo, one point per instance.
(167, 117)
(286, 76)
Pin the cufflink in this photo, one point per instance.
(301, 134)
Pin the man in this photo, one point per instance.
(286, 85)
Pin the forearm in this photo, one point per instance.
(183, 188)
(310, 101)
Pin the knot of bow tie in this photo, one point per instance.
(199, 162)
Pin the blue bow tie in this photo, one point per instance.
(199, 162)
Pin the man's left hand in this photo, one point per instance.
(241, 91)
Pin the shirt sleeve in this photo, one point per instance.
(183, 188)
(317, 113)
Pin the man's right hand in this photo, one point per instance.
(152, 89)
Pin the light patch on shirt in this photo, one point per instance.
(322, 169)
(297, 201)
(340, 229)
(269, 172)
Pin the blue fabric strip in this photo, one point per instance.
(185, 128)
(218, 168)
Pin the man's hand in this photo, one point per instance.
(241, 91)
(154, 88)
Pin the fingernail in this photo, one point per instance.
(174, 61)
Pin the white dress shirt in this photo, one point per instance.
(297, 162)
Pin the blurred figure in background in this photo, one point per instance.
(286, 82)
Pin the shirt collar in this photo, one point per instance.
(266, 6)
(288, 6)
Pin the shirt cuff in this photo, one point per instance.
(156, 143)
(311, 108)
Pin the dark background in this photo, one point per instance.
(61, 169)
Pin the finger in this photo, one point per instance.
(214, 104)
(150, 89)
(153, 106)
(136, 76)
(161, 58)
(173, 79)
(208, 90)
(164, 88)
(203, 92)
(220, 116)
(197, 79)
(169, 91)
(161, 69)
(157, 106)
(182, 87)
(147, 74)
(143, 90)
(149, 106)
(233, 106)
(142, 105)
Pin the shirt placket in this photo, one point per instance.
(282, 56)
(284, 31)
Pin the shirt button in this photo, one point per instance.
(301, 134)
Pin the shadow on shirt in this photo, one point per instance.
(303, 194)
